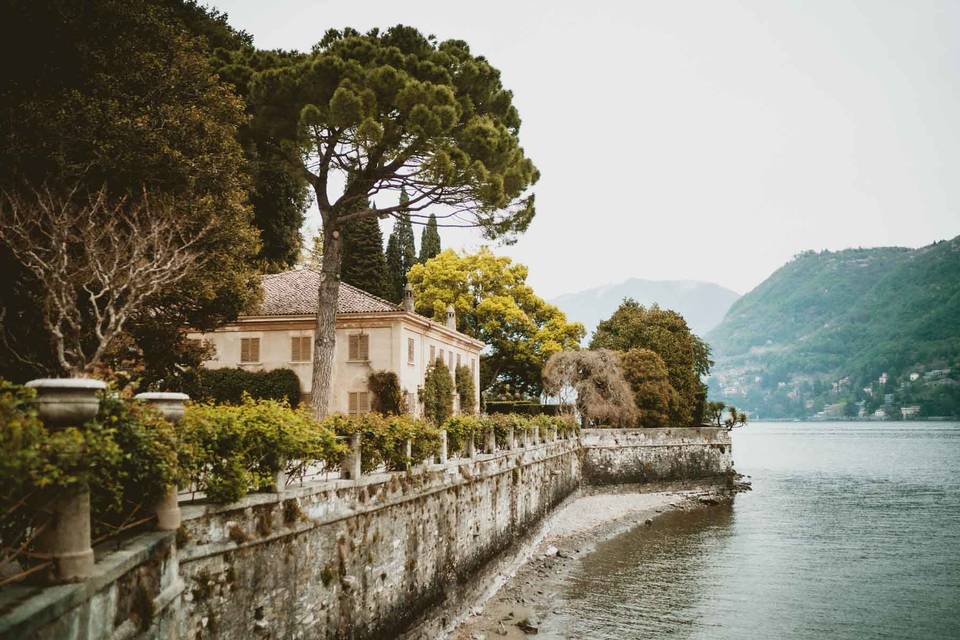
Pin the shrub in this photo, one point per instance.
(437, 393)
(230, 384)
(228, 451)
(383, 439)
(387, 395)
(460, 429)
(524, 407)
(127, 490)
(466, 390)
(37, 465)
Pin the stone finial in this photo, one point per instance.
(451, 317)
(408, 302)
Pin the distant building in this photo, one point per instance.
(879, 413)
(883, 378)
(868, 391)
(910, 412)
(936, 374)
(914, 376)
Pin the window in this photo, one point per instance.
(458, 361)
(300, 349)
(433, 354)
(411, 350)
(450, 362)
(359, 347)
(249, 349)
(473, 367)
(358, 402)
(441, 356)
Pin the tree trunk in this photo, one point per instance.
(324, 334)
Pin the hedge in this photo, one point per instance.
(522, 407)
(229, 385)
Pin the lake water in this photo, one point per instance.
(852, 530)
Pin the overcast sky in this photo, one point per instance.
(700, 140)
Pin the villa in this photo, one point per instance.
(372, 335)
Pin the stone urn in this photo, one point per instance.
(62, 403)
(171, 406)
(67, 402)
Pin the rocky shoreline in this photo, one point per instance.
(529, 597)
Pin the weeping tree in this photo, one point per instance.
(604, 398)
(390, 111)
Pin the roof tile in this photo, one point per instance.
(295, 293)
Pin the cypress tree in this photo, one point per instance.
(401, 254)
(429, 240)
(363, 263)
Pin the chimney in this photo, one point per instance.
(451, 318)
(408, 298)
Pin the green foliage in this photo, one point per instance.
(129, 489)
(494, 303)
(364, 265)
(603, 397)
(647, 375)
(401, 252)
(229, 385)
(466, 390)
(460, 429)
(387, 395)
(437, 393)
(523, 407)
(714, 413)
(395, 110)
(383, 439)
(665, 332)
(849, 314)
(116, 93)
(228, 451)
(429, 240)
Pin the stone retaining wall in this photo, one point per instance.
(618, 456)
(346, 558)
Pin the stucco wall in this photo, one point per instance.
(388, 334)
(613, 456)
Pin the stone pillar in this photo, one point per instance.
(409, 453)
(171, 406)
(353, 462)
(536, 435)
(553, 434)
(443, 446)
(471, 447)
(511, 439)
(491, 440)
(60, 403)
(67, 537)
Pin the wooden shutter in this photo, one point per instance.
(411, 349)
(354, 348)
(363, 402)
(352, 403)
(433, 354)
(364, 347)
(249, 349)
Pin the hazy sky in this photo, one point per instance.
(701, 140)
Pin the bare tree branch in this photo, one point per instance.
(97, 263)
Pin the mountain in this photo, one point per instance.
(819, 334)
(703, 304)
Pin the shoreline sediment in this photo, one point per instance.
(523, 599)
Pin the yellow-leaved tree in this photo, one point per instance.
(495, 304)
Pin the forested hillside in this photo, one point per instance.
(817, 336)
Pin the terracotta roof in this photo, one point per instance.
(295, 293)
